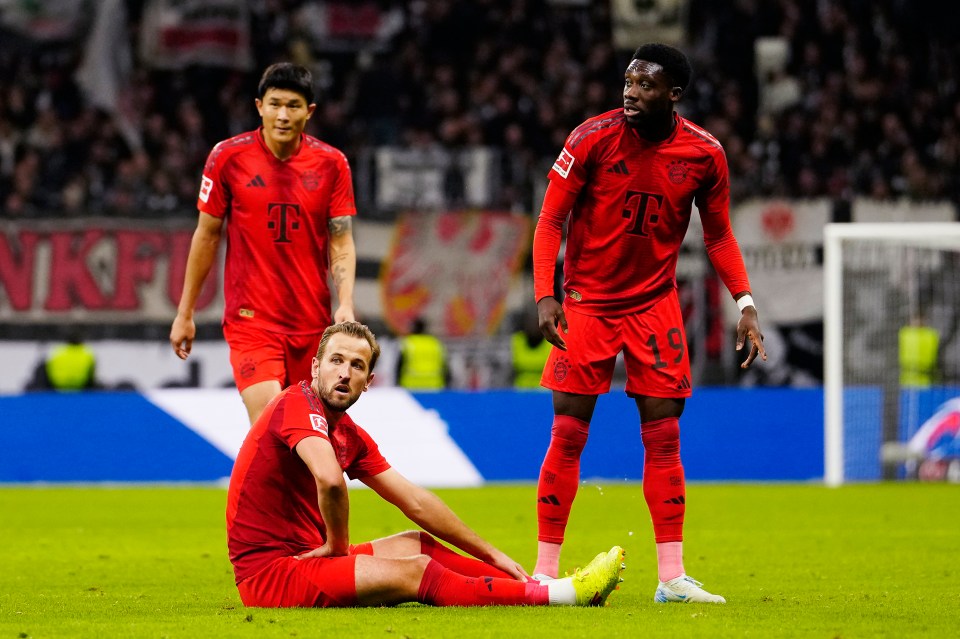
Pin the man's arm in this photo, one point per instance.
(203, 251)
(332, 497)
(430, 513)
(547, 238)
(343, 265)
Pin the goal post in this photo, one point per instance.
(878, 279)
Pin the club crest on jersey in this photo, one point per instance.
(560, 369)
(319, 423)
(206, 185)
(677, 171)
(310, 181)
(564, 163)
(247, 368)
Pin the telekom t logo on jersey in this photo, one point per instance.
(635, 206)
(283, 217)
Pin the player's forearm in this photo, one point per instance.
(727, 260)
(334, 506)
(547, 238)
(434, 516)
(203, 252)
(343, 259)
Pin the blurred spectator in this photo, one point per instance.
(69, 367)
(422, 364)
(865, 100)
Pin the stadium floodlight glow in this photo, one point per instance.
(876, 276)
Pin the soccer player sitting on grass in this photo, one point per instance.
(288, 511)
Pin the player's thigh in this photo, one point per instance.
(256, 355)
(655, 351)
(298, 354)
(256, 397)
(324, 582)
(586, 367)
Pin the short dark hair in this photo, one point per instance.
(354, 329)
(674, 62)
(289, 76)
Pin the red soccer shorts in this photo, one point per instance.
(654, 347)
(318, 582)
(258, 355)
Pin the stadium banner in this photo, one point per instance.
(868, 210)
(782, 245)
(47, 21)
(452, 270)
(437, 439)
(175, 34)
(434, 179)
(97, 270)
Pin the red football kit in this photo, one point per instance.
(272, 509)
(277, 301)
(629, 203)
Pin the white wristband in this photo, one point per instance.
(745, 301)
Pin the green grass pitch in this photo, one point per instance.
(792, 561)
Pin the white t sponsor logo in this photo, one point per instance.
(319, 424)
(206, 185)
(564, 163)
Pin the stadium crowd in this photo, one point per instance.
(867, 102)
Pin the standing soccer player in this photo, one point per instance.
(289, 200)
(288, 511)
(627, 180)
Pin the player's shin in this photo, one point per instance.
(557, 488)
(443, 587)
(664, 489)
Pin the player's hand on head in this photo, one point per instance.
(551, 318)
(749, 328)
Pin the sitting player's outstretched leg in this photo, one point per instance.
(684, 589)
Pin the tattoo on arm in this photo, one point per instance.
(340, 225)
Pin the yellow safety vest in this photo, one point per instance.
(423, 358)
(918, 355)
(70, 367)
(528, 362)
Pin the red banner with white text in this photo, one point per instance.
(98, 271)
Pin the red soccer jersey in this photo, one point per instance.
(277, 213)
(272, 508)
(632, 208)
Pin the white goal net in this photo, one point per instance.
(891, 351)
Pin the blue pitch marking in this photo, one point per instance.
(96, 437)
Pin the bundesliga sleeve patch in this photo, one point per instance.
(319, 424)
(564, 163)
(206, 185)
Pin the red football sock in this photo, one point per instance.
(560, 477)
(663, 483)
(442, 587)
(456, 562)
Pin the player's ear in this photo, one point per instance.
(676, 93)
(259, 104)
(315, 367)
(310, 109)
(369, 381)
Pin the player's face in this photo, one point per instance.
(647, 93)
(343, 371)
(284, 114)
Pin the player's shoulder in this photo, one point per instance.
(695, 134)
(226, 149)
(319, 147)
(597, 128)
